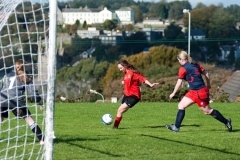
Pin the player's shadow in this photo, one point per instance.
(191, 125)
(190, 144)
(72, 142)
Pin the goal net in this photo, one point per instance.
(27, 78)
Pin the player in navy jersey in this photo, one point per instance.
(198, 93)
(132, 94)
(12, 97)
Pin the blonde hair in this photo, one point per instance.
(20, 71)
(185, 56)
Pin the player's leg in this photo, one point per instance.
(183, 104)
(123, 108)
(26, 115)
(217, 115)
(127, 102)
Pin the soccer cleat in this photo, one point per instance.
(172, 127)
(114, 127)
(41, 142)
(229, 124)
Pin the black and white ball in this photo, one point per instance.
(107, 119)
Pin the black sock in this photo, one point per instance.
(217, 115)
(179, 118)
(35, 129)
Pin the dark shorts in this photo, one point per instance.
(130, 100)
(21, 112)
(19, 108)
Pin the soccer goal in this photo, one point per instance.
(28, 34)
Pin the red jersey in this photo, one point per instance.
(131, 83)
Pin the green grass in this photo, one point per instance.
(142, 133)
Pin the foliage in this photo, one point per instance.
(221, 96)
(161, 94)
(135, 43)
(109, 24)
(214, 21)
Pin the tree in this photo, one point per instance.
(138, 17)
(78, 23)
(135, 43)
(214, 21)
(173, 34)
(128, 27)
(200, 5)
(109, 24)
(84, 24)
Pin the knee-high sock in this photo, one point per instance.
(35, 129)
(217, 115)
(179, 118)
(117, 121)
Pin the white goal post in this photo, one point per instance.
(27, 34)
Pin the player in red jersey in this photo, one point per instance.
(198, 93)
(132, 94)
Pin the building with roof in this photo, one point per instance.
(232, 87)
(125, 15)
(197, 34)
(97, 15)
(153, 21)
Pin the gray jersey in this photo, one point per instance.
(14, 91)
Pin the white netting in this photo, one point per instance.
(24, 34)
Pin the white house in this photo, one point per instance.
(90, 33)
(97, 15)
(87, 53)
(125, 15)
(153, 21)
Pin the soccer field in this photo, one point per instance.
(142, 133)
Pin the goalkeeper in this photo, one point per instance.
(12, 97)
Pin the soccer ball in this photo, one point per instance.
(107, 119)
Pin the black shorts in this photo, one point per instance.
(4, 112)
(130, 100)
(21, 112)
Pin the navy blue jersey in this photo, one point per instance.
(191, 72)
(14, 91)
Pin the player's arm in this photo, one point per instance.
(33, 93)
(181, 75)
(176, 88)
(207, 78)
(150, 84)
(206, 75)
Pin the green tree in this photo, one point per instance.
(109, 24)
(78, 23)
(173, 33)
(138, 17)
(200, 5)
(84, 24)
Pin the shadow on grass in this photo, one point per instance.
(191, 125)
(72, 141)
(190, 144)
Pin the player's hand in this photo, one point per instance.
(171, 96)
(153, 84)
(41, 108)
